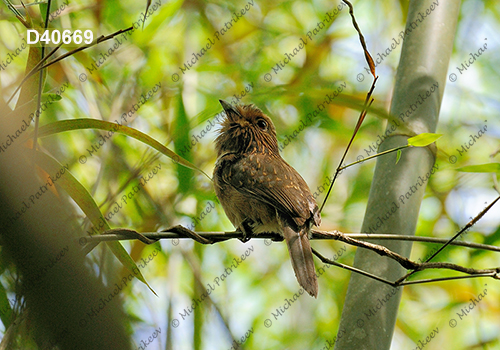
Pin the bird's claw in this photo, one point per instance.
(245, 237)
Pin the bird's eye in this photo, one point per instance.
(262, 124)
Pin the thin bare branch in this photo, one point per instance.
(494, 273)
(373, 156)
(366, 236)
(350, 268)
(367, 104)
(465, 228)
(40, 86)
(429, 280)
(41, 66)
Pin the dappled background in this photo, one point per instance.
(187, 58)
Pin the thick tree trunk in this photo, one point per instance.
(371, 307)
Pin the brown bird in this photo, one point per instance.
(260, 192)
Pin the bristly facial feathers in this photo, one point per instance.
(242, 127)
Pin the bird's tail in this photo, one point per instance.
(302, 259)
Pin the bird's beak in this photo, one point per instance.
(231, 112)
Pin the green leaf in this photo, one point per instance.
(85, 123)
(85, 201)
(398, 156)
(6, 314)
(43, 10)
(51, 97)
(481, 168)
(182, 141)
(423, 140)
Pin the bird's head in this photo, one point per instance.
(246, 129)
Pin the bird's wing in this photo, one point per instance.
(270, 179)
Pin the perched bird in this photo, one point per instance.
(260, 192)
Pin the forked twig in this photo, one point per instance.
(465, 228)
(494, 273)
(40, 65)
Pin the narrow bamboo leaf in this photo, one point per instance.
(85, 123)
(43, 10)
(148, 3)
(424, 139)
(368, 57)
(398, 156)
(6, 314)
(51, 97)
(85, 201)
(182, 141)
(481, 168)
(30, 88)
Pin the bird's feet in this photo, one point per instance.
(246, 231)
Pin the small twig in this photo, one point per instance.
(383, 236)
(429, 280)
(99, 40)
(407, 263)
(367, 104)
(450, 266)
(353, 269)
(379, 249)
(362, 116)
(494, 273)
(374, 156)
(466, 227)
(148, 3)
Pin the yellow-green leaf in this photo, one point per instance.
(51, 97)
(85, 201)
(422, 140)
(398, 156)
(5, 306)
(87, 123)
(481, 168)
